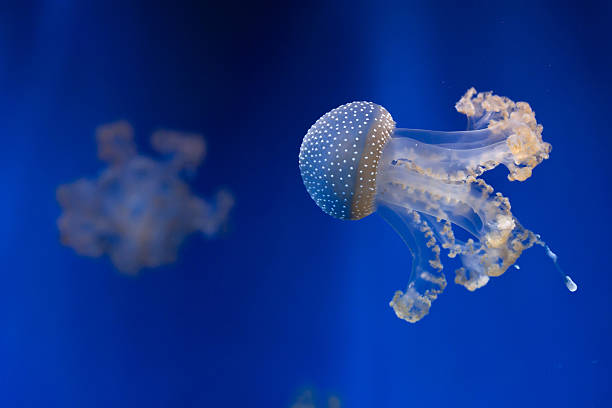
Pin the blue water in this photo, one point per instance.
(290, 298)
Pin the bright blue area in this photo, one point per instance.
(292, 298)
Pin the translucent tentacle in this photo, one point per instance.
(499, 237)
(567, 280)
(426, 278)
(504, 132)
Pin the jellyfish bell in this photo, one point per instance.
(339, 158)
(354, 162)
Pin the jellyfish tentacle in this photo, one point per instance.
(505, 133)
(186, 150)
(474, 278)
(457, 140)
(499, 237)
(567, 280)
(208, 217)
(471, 204)
(443, 231)
(116, 142)
(426, 280)
(443, 162)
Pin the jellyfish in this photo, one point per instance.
(307, 400)
(140, 209)
(354, 161)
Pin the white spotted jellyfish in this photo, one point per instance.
(355, 162)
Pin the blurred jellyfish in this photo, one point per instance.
(354, 161)
(306, 400)
(139, 210)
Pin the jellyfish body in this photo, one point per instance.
(354, 162)
(139, 210)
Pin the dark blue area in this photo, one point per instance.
(291, 298)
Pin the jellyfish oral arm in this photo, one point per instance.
(503, 132)
(468, 203)
(453, 158)
(426, 280)
(466, 139)
(404, 193)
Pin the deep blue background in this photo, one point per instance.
(292, 298)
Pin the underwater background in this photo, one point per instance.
(286, 298)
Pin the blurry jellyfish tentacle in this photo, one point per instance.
(307, 400)
(186, 150)
(139, 210)
(116, 142)
(209, 216)
(354, 161)
(89, 229)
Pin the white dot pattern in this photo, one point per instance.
(339, 158)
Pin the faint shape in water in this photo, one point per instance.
(306, 400)
(140, 209)
(354, 162)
